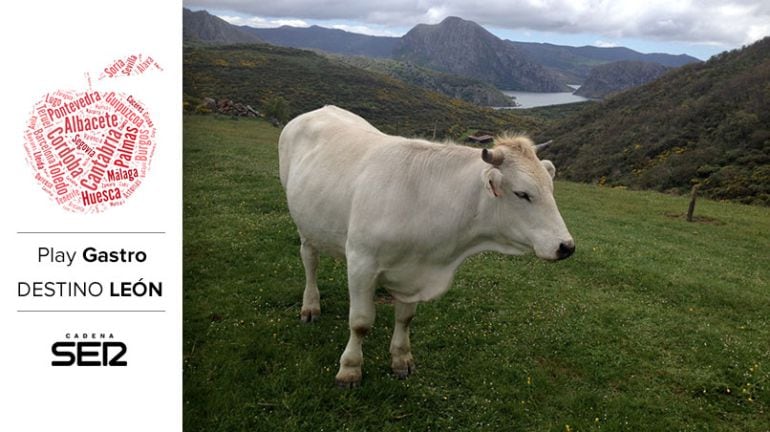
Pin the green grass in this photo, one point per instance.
(654, 324)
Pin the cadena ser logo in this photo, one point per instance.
(89, 349)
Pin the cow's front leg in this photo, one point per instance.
(361, 281)
(402, 362)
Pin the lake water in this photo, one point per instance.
(531, 99)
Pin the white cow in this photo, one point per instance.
(405, 213)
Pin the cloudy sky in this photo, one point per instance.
(697, 27)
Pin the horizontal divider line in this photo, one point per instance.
(90, 232)
(91, 310)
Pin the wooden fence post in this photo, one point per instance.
(693, 196)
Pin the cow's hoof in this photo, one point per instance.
(309, 315)
(403, 366)
(349, 379)
(403, 373)
(348, 384)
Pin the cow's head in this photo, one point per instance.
(525, 212)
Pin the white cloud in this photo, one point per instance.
(290, 22)
(435, 14)
(756, 32)
(729, 23)
(362, 29)
(260, 22)
(605, 44)
(236, 20)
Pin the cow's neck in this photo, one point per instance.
(478, 214)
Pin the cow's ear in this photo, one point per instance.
(548, 165)
(493, 180)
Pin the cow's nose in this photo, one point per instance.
(565, 250)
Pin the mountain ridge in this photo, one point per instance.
(565, 64)
(326, 39)
(201, 26)
(574, 64)
(617, 76)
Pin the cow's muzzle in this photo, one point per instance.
(566, 249)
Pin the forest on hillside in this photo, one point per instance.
(260, 74)
(706, 124)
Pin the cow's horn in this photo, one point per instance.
(493, 157)
(541, 146)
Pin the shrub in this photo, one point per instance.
(278, 108)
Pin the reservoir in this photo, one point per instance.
(532, 99)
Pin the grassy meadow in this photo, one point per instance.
(655, 324)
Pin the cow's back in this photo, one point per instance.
(321, 155)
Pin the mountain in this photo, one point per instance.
(573, 64)
(469, 90)
(706, 123)
(618, 76)
(465, 48)
(261, 74)
(325, 39)
(201, 26)
(610, 54)
(535, 66)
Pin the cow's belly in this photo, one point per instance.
(322, 228)
(319, 203)
(415, 282)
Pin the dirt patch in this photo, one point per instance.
(696, 219)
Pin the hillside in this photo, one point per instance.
(201, 26)
(705, 123)
(465, 48)
(618, 76)
(655, 324)
(469, 90)
(574, 64)
(325, 39)
(611, 54)
(258, 74)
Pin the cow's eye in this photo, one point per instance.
(524, 196)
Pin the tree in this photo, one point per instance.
(278, 108)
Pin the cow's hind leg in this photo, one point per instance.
(311, 299)
(402, 362)
(361, 280)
